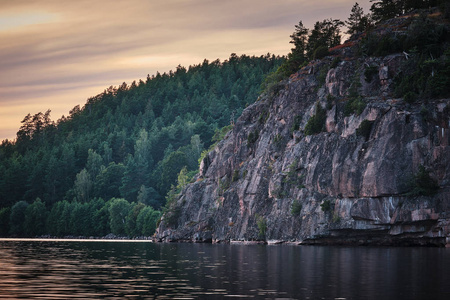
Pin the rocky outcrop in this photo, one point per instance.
(350, 184)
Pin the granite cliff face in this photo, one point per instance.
(349, 184)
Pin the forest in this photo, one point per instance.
(129, 142)
(111, 165)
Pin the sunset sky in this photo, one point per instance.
(54, 54)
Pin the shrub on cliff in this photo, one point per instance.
(252, 137)
(364, 129)
(316, 123)
(422, 184)
(296, 208)
(262, 226)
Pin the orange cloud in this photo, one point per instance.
(55, 54)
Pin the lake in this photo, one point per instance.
(59, 269)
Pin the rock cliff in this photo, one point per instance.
(351, 183)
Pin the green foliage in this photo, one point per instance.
(168, 170)
(370, 73)
(292, 176)
(325, 34)
(320, 52)
(272, 82)
(124, 136)
(335, 62)
(55, 219)
(326, 206)
(295, 124)
(35, 218)
(182, 179)
(262, 226)
(171, 211)
(108, 182)
(235, 176)
(424, 36)
(354, 105)
(373, 44)
(219, 135)
(118, 212)
(425, 113)
(131, 225)
(146, 221)
(422, 78)
(252, 137)
(297, 57)
(224, 184)
(296, 208)
(83, 186)
(316, 123)
(308, 45)
(358, 22)
(4, 221)
(422, 184)
(93, 218)
(17, 218)
(364, 129)
(263, 117)
(387, 9)
(410, 97)
(322, 76)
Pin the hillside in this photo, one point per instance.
(353, 148)
(127, 143)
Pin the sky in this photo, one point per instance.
(55, 54)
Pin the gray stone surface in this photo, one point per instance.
(364, 181)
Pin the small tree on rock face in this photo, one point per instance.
(182, 178)
(316, 123)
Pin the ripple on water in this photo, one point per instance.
(80, 270)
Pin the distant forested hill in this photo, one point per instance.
(130, 141)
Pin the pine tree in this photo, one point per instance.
(357, 22)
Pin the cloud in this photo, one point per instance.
(57, 53)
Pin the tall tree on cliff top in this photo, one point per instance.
(325, 34)
(297, 56)
(387, 9)
(357, 22)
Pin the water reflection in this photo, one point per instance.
(77, 269)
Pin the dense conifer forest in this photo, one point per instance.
(110, 166)
(123, 149)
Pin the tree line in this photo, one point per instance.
(94, 218)
(129, 142)
(425, 39)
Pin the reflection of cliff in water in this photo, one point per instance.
(96, 269)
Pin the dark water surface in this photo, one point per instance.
(143, 270)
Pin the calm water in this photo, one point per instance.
(133, 270)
